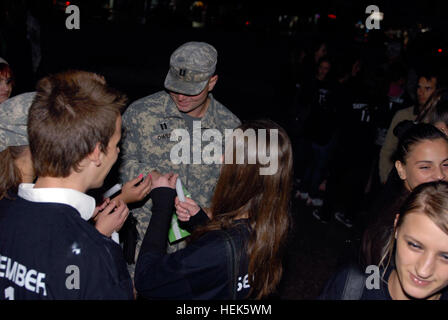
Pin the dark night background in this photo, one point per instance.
(130, 44)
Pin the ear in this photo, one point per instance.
(400, 169)
(212, 82)
(397, 216)
(95, 155)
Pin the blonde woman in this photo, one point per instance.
(414, 265)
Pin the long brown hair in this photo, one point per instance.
(241, 189)
(10, 175)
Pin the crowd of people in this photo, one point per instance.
(62, 140)
(59, 142)
(343, 109)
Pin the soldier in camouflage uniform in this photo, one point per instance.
(13, 118)
(16, 165)
(187, 104)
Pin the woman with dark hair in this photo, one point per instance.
(236, 253)
(6, 80)
(414, 263)
(421, 156)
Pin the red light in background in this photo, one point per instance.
(247, 23)
(67, 3)
(332, 16)
(439, 50)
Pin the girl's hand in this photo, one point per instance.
(186, 209)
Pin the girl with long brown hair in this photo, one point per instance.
(237, 251)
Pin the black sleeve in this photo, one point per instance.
(198, 271)
(162, 210)
(199, 219)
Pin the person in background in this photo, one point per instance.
(321, 133)
(6, 80)
(421, 156)
(344, 192)
(427, 84)
(249, 213)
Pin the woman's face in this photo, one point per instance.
(427, 161)
(421, 258)
(5, 87)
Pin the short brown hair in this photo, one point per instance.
(72, 112)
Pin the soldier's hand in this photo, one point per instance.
(131, 192)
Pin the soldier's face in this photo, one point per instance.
(194, 106)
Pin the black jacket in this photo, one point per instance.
(47, 251)
(354, 278)
(202, 270)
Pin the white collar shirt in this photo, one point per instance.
(83, 203)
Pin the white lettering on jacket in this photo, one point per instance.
(22, 276)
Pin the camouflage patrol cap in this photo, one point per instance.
(13, 120)
(191, 66)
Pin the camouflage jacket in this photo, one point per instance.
(13, 120)
(148, 125)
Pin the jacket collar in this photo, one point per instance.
(83, 203)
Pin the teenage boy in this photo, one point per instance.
(48, 250)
